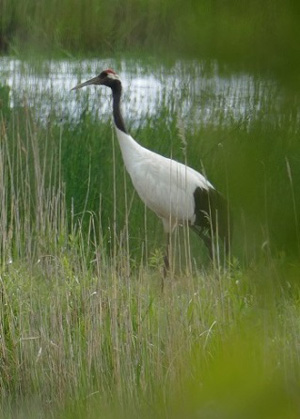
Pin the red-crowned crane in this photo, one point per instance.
(174, 191)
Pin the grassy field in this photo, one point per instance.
(86, 330)
(92, 341)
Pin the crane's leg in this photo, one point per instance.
(166, 257)
(209, 244)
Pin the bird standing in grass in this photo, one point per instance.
(177, 193)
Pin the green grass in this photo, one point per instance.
(86, 330)
(89, 340)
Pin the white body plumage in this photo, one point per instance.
(166, 186)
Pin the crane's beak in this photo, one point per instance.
(94, 80)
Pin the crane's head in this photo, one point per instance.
(106, 78)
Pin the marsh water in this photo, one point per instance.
(197, 91)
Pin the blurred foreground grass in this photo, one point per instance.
(252, 35)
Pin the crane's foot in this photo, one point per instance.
(166, 270)
(166, 265)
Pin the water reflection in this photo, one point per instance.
(187, 88)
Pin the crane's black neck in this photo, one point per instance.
(118, 118)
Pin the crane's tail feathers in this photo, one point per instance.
(213, 219)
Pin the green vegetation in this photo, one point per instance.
(85, 329)
(87, 340)
(252, 33)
